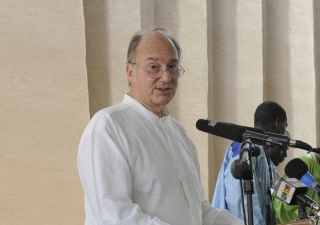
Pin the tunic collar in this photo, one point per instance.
(146, 112)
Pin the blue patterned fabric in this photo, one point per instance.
(227, 193)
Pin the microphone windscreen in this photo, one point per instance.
(225, 130)
(302, 145)
(296, 168)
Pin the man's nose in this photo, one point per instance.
(284, 154)
(165, 76)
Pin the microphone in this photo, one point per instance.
(316, 150)
(292, 192)
(234, 132)
(287, 141)
(238, 133)
(225, 130)
(297, 168)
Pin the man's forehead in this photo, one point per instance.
(153, 36)
(155, 43)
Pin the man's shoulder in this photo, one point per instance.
(235, 148)
(108, 111)
(311, 161)
(307, 157)
(232, 153)
(103, 116)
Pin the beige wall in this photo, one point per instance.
(61, 61)
(44, 108)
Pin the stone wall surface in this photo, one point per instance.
(62, 61)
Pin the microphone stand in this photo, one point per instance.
(247, 176)
(241, 169)
(249, 191)
(302, 213)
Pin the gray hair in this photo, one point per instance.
(137, 36)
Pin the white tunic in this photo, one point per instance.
(137, 168)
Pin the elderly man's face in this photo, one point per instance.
(153, 93)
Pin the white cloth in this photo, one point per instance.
(137, 168)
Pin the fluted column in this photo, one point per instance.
(235, 70)
(109, 27)
(289, 66)
(316, 11)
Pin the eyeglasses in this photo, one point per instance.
(175, 71)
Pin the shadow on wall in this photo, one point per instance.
(96, 26)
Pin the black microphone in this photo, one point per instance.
(238, 133)
(225, 130)
(316, 150)
(297, 168)
(231, 131)
(292, 192)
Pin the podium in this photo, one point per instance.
(299, 222)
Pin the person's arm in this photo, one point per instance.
(107, 182)
(218, 200)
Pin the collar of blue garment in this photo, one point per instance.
(146, 112)
(236, 148)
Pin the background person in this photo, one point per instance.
(270, 117)
(287, 213)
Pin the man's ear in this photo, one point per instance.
(130, 72)
(278, 123)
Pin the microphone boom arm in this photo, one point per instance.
(262, 139)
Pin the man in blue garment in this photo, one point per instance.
(270, 117)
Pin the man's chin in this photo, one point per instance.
(164, 100)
